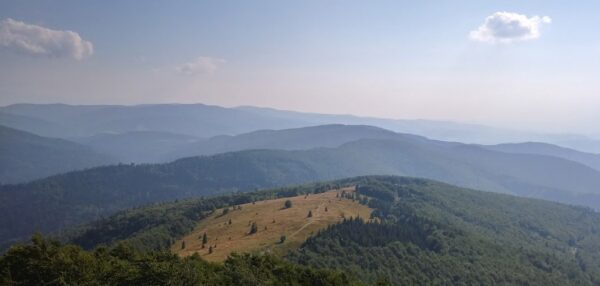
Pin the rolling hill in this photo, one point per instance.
(424, 232)
(588, 159)
(25, 156)
(303, 138)
(78, 197)
(137, 146)
(227, 229)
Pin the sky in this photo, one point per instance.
(531, 65)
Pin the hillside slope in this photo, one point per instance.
(25, 156)
(79, 197)
(228, 229)
(424, 233)
(438, 234)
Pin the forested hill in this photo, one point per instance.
(79, 197)
(439, 234)
(425, 233)
(25, 156)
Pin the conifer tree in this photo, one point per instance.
(204, 240)
(253, 228)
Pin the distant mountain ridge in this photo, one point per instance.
(138, 146)
(589, 159)
(303, 138)
(83, 196)
(205, 121)
(25, 156)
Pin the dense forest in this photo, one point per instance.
(46, 262)
(423, 232)
(430, 233)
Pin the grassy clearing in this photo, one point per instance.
(273, 220)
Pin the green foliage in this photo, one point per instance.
(79, 197)
(156, 226)
(46, 262)
(431, 233)
(424, 233)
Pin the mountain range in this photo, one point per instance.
(205, 121)
(77, 197)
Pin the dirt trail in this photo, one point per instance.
(312, 219)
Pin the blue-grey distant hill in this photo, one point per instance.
(302, 138)
(25, 156)
(138, 146)
(589, 159)
(205, 121)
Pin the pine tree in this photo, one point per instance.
(229, 221)
(282, 238)
(204, 239)
(210, 250)
(287, 204)
(309, 214)
(183, 244)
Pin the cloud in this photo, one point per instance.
(201, 65)
(506, 27)
(36, 40)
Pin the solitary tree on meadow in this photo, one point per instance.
(287, 204)
(253, 228)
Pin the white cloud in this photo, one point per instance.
(201, 65)
(37, 40)
(506, 27)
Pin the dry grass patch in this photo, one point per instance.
(273, 220)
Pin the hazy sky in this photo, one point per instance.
(521, 64)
